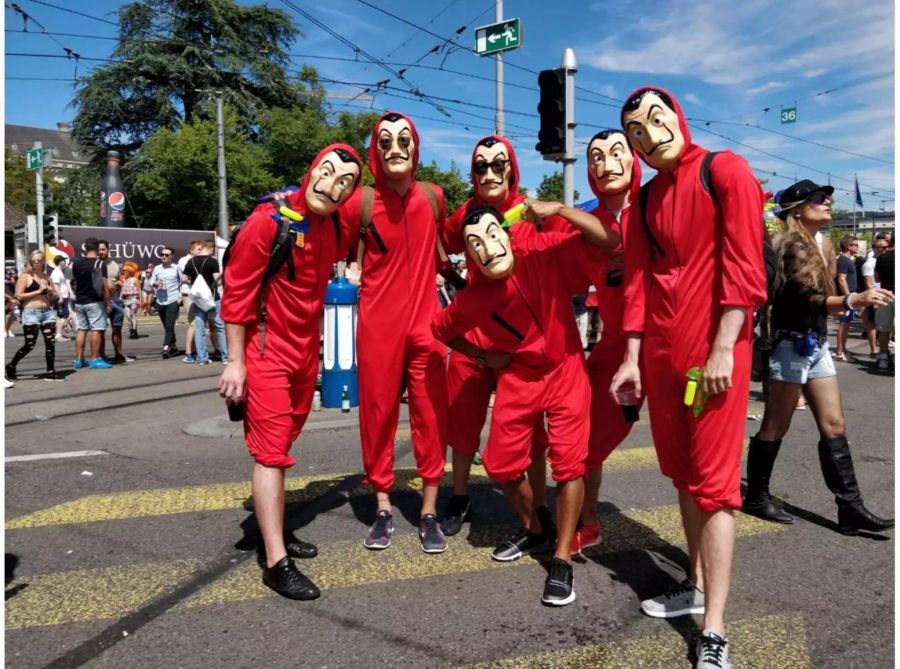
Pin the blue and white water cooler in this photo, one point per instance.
(339, 352)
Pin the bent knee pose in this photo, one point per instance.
(694, 270)
(521, 302)
(801, 362)
(272, 366)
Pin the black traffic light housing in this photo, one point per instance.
(48, 192)
(51, 229)
(552, 109)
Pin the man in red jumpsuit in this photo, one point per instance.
(694, 272)
(397, 301)
(615, 178)
(272, 368)
(521, 302)
(470, 383)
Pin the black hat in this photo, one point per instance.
(799, 193)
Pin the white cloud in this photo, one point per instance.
(810, 74)
(690, 97)
(768, 86)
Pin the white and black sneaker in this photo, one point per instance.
(521, 543)
(712, 651)
(559, 588)
(681, 600)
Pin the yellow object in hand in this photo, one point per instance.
(291, 214)
(514, 215)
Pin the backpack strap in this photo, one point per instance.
(445, 270)
(706, 177)
(365, 218)
(644, 198)
(281, 253)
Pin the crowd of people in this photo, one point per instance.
(678, 275)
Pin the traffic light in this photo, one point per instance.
(51, 229)
(552, 108)
(48, 192)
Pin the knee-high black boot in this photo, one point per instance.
(840, 477)
(760, 462)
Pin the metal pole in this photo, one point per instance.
(223, 186)
(498, 122)
(570, 65)
(39, 184)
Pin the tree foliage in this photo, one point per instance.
(78, 199)
(551, 188)
(172, 56)
(173, 180)
(456, 188)
(21, 185)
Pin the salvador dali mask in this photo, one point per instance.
(396, 148)
(653, 129)
(488, 243)
(610, 162)
(332, 182)
(491, 170)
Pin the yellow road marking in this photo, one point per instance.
(53, 599)
(766, 642)
(218, 496)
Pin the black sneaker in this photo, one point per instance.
(296, 548)
(166, 352)
(456, 513)
(216, 356)
(559, 588)
(284, 579)
(11, 372)
(521, 543)
(53, 376)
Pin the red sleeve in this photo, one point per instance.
(451, 236)
(246, 266)
(741, 198)
(456, 319)
(575, 257)
(637, 261)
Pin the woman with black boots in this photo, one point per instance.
(37, 295)
(803, 298)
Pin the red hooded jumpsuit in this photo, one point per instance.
(712, 260)
(282, 379)
(529, 315)
(396, 304)
(608, 425)
(469, 386)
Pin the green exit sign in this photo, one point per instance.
(496, 37)
(788, 115)
(34, 159)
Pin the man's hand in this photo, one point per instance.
(537, 211)
(232, 383)
(717, 371)
(497, 361)
(628, 373)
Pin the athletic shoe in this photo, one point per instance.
(8, 384)
(455, 514)
(884, 363)
(189, 359)
(81, 363)
(433, 540)
(53, 376)
(122, 359)
(224, 361)
(284, 579)
(10, 334)
(559, 588)
(99, 363)
(60, 338)
(521, 543)
(11, 372)
(215, 356)
(712, 651)
(840, 357)
(379, 536)
(585, 537)
(681, 600)
(203, 362)
(166, 353)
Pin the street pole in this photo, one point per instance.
(39, 184)
(498, 13)
(223, 187)
(570, 65)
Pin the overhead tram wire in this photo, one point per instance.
(72, 11)
(70, 53)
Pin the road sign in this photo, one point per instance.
(497, 37)
(34, 158)
(788, 115)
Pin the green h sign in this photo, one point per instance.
(497, 37)
(788, 115)
(34, 159)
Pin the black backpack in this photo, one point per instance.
(768, 252)
(279, 255)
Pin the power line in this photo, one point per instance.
(72, 11)
(70, 54)
(56, 55)
(47, 32)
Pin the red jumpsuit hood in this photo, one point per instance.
(689, 147)
(298, 200)
(513, 195)
(375, 160)
(634, 188)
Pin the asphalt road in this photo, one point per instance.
(132, 557)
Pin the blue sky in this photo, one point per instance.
(725, 61)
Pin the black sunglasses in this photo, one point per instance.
(818, 198)
(497, 167)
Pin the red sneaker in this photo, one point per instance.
(585, 537)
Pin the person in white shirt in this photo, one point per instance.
(64, 290)
(868, 274)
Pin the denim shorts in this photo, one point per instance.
(117, 313)
(848, 318)
(787, 365)
(44, 316)
(91, 316)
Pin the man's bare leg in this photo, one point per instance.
(429, 499)
(569, 500)
(592, 481)
(462, 467)
(692, 520)
(717, 550)
(268, 503)
(518, 494)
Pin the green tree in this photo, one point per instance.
(78, 200)
(171, 56)
(21, 186)
(456, 189)
(173, 180)
(551, 188)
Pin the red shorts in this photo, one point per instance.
(564, 395)
(469, 387)
(279, 394)
(608, 425)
